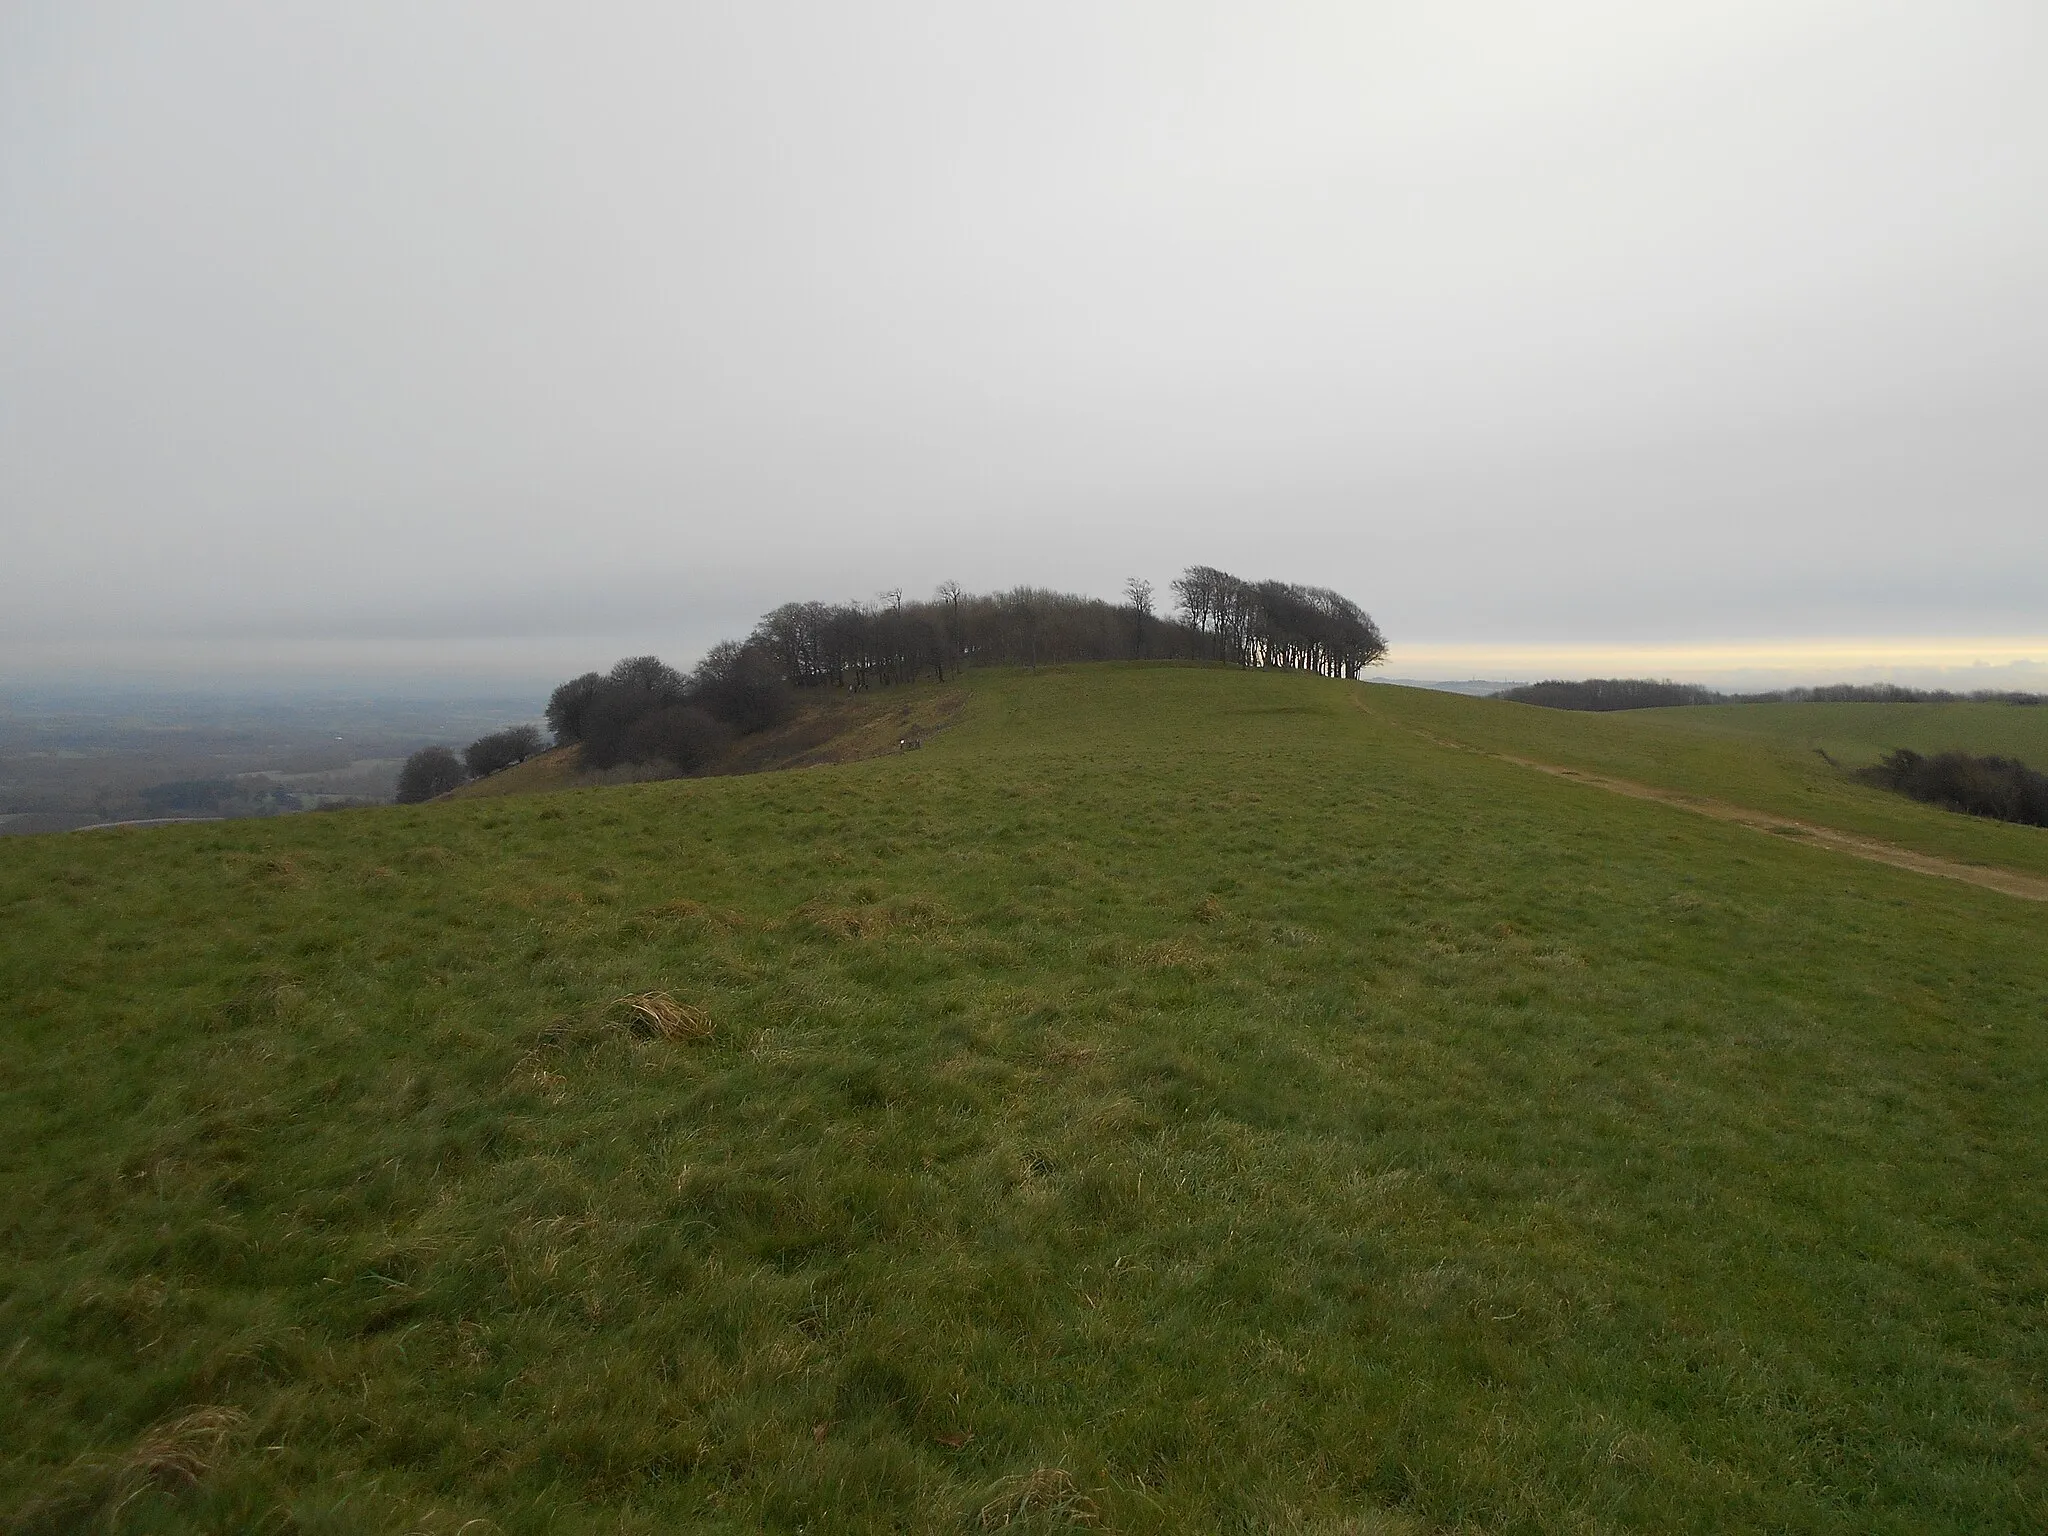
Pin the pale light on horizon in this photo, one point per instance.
(1955, 662)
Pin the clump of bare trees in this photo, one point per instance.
(861, 645)
(644, 711)
(501, 749)
(1221, 618)
(1278, 624)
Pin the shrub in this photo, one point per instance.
(681, 735)
(1998, 787)
(428, 772)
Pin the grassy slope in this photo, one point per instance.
(827, 728)
(1178, 1078)
(1748, 755)
(1857, 734)
(555, 769)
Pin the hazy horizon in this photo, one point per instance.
(475, 343)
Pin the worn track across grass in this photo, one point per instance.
(2007, 882)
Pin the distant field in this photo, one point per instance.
(1174, 1099)
(1857, 734)
(1763, 755)
(74, 759)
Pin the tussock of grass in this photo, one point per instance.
(660, 1016)
(1049, 1494)
(97, 1489)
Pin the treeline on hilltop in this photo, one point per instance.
(1219, 618)
(1612, 693)
(1606, 693)
(645, 712)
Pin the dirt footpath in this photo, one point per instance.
(2007, 882)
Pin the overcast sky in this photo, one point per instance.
(512, 336)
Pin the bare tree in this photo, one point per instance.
(1138, 600)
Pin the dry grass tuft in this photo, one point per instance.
(843, 922)
(870, 918)
(656, 1015)
(1049, 1492)
(173, 1454)
(180, 1451)
(1179, 954)
(1059, 1051)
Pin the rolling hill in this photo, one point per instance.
(1176, 1098)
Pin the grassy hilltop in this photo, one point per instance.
(1173, 1099)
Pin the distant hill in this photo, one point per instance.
(1601, 694)
(1476, 687)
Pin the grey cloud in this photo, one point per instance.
(1592, 321)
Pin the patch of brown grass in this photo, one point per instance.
(1049, 1492)
(1059, 1051)
(178, 1452)
(172, 1454)
(870, 919)
(656, 1015)
(1179, 954)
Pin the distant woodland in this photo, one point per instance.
(1610, 693)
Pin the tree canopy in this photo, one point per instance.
(643, 710)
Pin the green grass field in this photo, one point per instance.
(1859, 734)
(1763, 756)
(1174, 1099)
